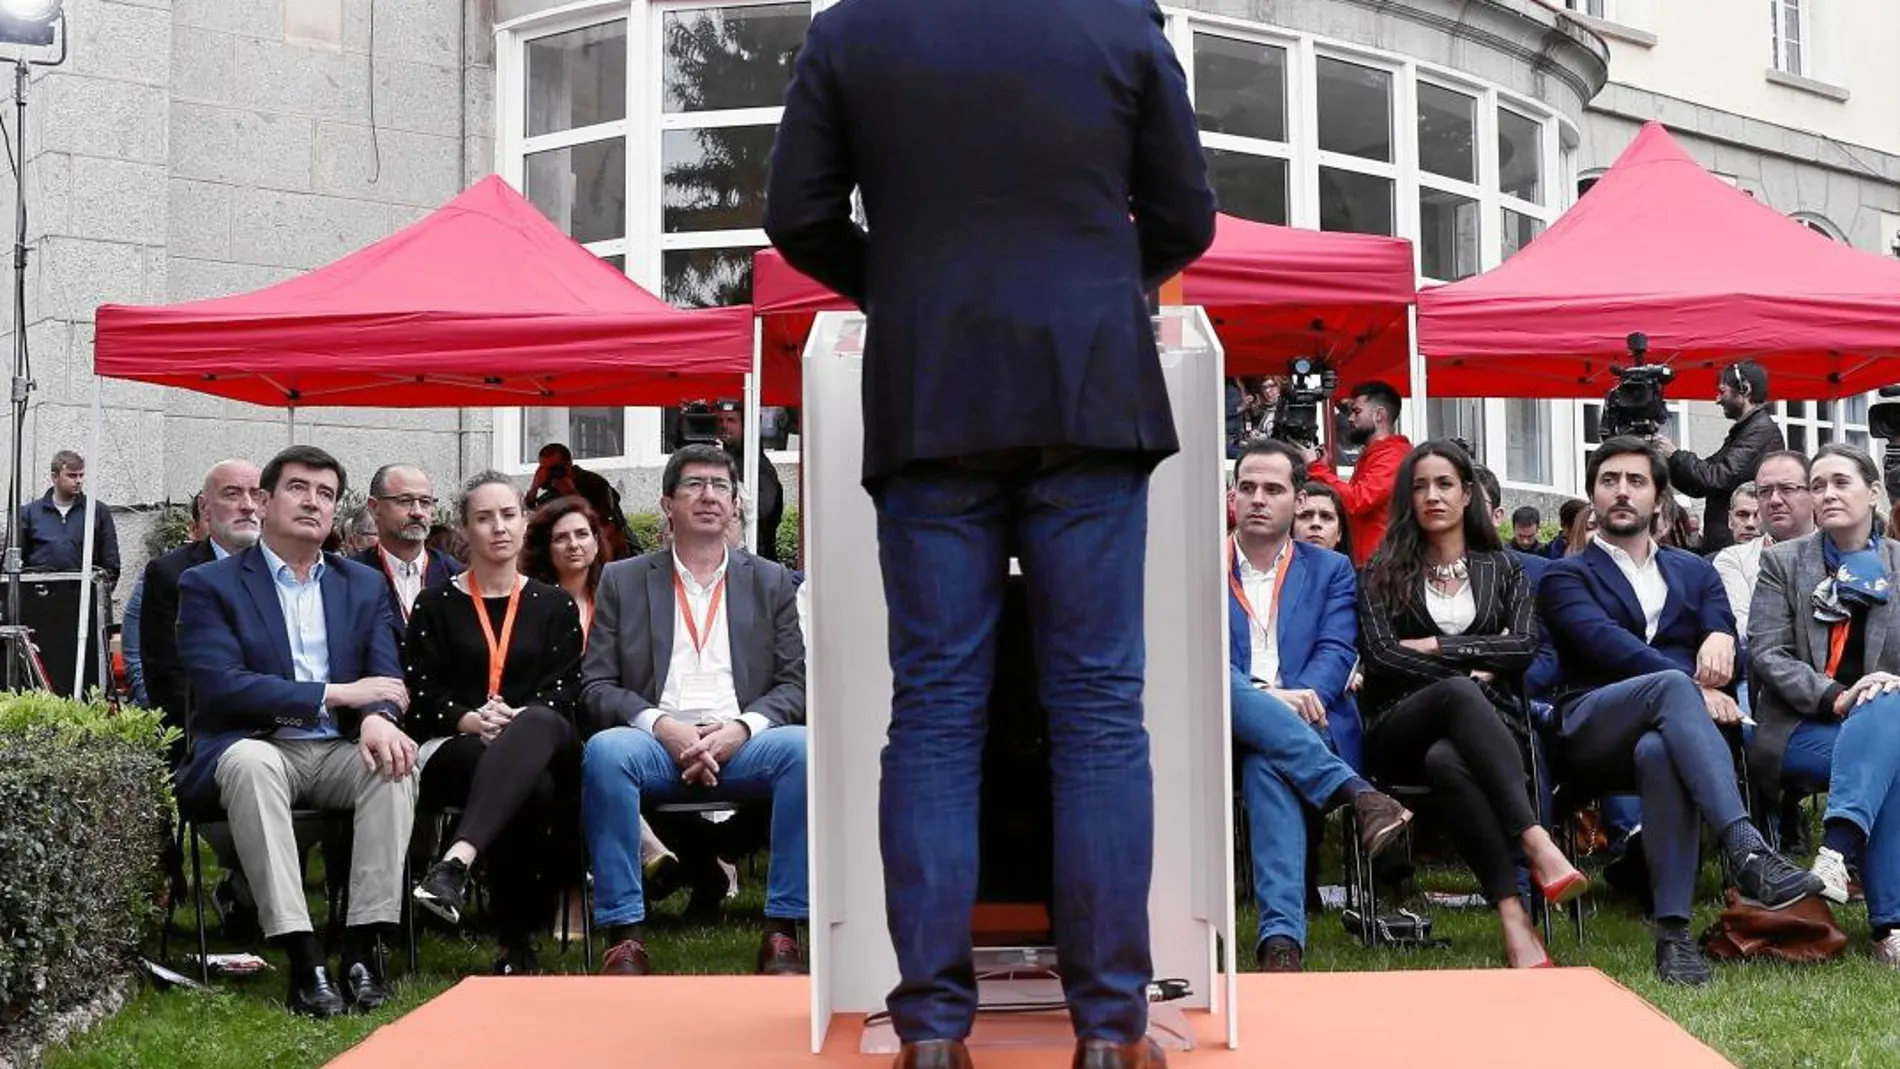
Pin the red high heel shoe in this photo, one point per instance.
(1567, 889)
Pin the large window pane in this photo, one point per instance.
(1527, 442)
(714, 178)
(1520, 156)
(1248, 186)
(735, 57)
(589, 433)
(708, 278)
(1240, 87)
(1448, 235)
(1360, 203)
(1355, 110)
(583, 188)
(1457, 417)
(1519, 230)
(577, 78)
(1447, 138)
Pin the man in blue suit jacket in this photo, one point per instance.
(1647, 645)
(298, 700)
(1029, 172)
(1293, 632)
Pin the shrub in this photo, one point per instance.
(86, 813)
(644, 529)
(789, 539)
(174, 524)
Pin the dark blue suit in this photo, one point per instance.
(1029, 171)
(440, 569)
(1284, 762)
(1630, 710)
(236, 652)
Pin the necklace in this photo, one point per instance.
(1447, 573)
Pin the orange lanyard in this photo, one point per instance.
(1240, 592)
(390, 571)
(497, 647)
(686, 611)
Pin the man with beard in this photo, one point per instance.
(403, 500)
(1647, 646)
(1368, 495)
(1742, 391)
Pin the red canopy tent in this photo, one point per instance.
(483, 302)
(1272, 293)
(1663, 247)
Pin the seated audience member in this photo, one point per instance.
(298, 700)
(1445, 632)
(1673, 527)
(1744, 513)
(1524, 524)
(402, 498)
(1647, 645)
(1567, 514)
(556, 475)
(1321, 520)
(1786, 511)
(1825, 651)
(1577, 535)
(694, 689)
(563, 548)
(363, 534)
(494, 675)
(1290, 610)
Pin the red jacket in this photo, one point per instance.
(1368, 496)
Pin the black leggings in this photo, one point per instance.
(1450, 734)
(513, 793)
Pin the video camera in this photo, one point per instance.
(698, 422)
(1309, 384)
(1635, 405)
(1883, 420)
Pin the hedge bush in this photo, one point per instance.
(85, 816)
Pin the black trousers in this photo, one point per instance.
(519, 802)
(1449, 736)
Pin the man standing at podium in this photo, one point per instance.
(1029, 171)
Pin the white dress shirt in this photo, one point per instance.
(1740, 566)
(1265, 645)
(1454, 612)
(302, 603)
(1652, 591)
(714, 657)
(405, 576)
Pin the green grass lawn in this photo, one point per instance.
(1834, 1016)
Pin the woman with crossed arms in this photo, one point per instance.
(494, 672)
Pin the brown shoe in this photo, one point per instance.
(778, 956)
(933, 1054)
(1381, 818)
(1279, 954)
(626, 958)
(1102, 1054)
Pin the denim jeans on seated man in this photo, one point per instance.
(1858, 762)
(625, 768)
(1078, 523)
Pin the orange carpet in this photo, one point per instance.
(1554, 1019)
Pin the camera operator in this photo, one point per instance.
(731, 422)
(1743, 394)
(558, 476)
(1368, 495)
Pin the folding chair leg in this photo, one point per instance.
(409, 918)
(198, 897)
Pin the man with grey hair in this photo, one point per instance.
(403, 500)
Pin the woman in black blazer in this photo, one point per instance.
(1445, 632)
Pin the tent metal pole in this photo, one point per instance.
(1419, 423)
(290, 424)
(84, 648)
(754, 449)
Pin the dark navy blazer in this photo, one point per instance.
(236, 650)
(1592, 616)
(1029, 171)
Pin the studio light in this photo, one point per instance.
(29, 22)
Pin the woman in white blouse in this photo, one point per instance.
(1446, 630)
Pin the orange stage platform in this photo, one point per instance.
(1337, 1020)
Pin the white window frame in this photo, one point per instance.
(1816, 424)
(1181, 33)
(1803, 25)
(1604, 9)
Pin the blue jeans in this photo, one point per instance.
(1859, 760)
(1654, 732)
(623, 767)
(1283, 762)
(945, 534)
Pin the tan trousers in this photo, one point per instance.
(261, 780)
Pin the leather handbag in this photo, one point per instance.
(1803, 932)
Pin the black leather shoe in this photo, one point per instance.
(933, 1054)
(315, 996)
(365, 989)
(1101, 1054)
(1279, 954)
(1680, 961)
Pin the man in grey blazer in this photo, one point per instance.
(693, 689)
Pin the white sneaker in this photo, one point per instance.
(1832, 869)
(1887, 951)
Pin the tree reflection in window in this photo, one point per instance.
(708, 278)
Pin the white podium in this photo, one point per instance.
(848, 695)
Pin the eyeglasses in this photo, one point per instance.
(697, 484)
(1764, 491)
(412, 501)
